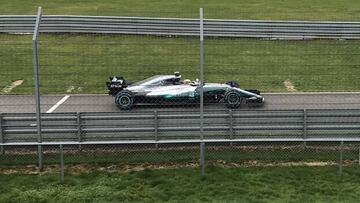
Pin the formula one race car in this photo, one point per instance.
(170, 89)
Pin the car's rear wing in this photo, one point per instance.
(116, 84)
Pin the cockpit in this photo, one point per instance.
(157, 80)
(164, 80)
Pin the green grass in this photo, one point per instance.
(237, 9)
(244, 184)
(84, 62)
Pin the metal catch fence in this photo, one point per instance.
(173, 125)
(183, 27)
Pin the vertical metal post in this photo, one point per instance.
(1, 134)
(202, 144)
(305, 126)
(61, 163)
(359, 155)
(40, 158)
(201, 74)
(202, 158)
(341, 158)
(78, 122)
(156, 126)
(231, 126)
(37, 89)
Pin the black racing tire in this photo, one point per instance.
(232, 83)
(124, 100)
(232, 99)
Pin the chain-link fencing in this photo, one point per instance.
(128, 157)
(136, 77)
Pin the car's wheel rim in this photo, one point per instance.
(124, 101)
(233, 99)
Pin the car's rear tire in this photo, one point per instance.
(232, 99)
(124, 100)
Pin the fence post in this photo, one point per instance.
(341, 158)
(359, 155)
(231, 126)
(202, 158)
(37, 85)
(2, 151)
(156, 126)
(202, 144)
(78, 122)
(305, 125)
(201, 15)
(61, 163)
(40, 157)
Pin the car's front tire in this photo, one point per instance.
(124, 100)
(232, 99)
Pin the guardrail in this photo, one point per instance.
(171, 126)
(182, 27)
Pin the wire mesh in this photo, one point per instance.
(129, 157)
(74, 69)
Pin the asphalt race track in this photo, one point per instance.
(105, 103)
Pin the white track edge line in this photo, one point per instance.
(58, 104)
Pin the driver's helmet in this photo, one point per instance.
(114, 79)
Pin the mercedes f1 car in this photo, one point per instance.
(170, 89)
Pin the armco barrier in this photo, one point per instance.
(182, 125)
(182, 27)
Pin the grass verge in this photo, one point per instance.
(238, 9)
(82, 63)
(244, 184)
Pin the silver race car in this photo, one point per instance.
(170, 89)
